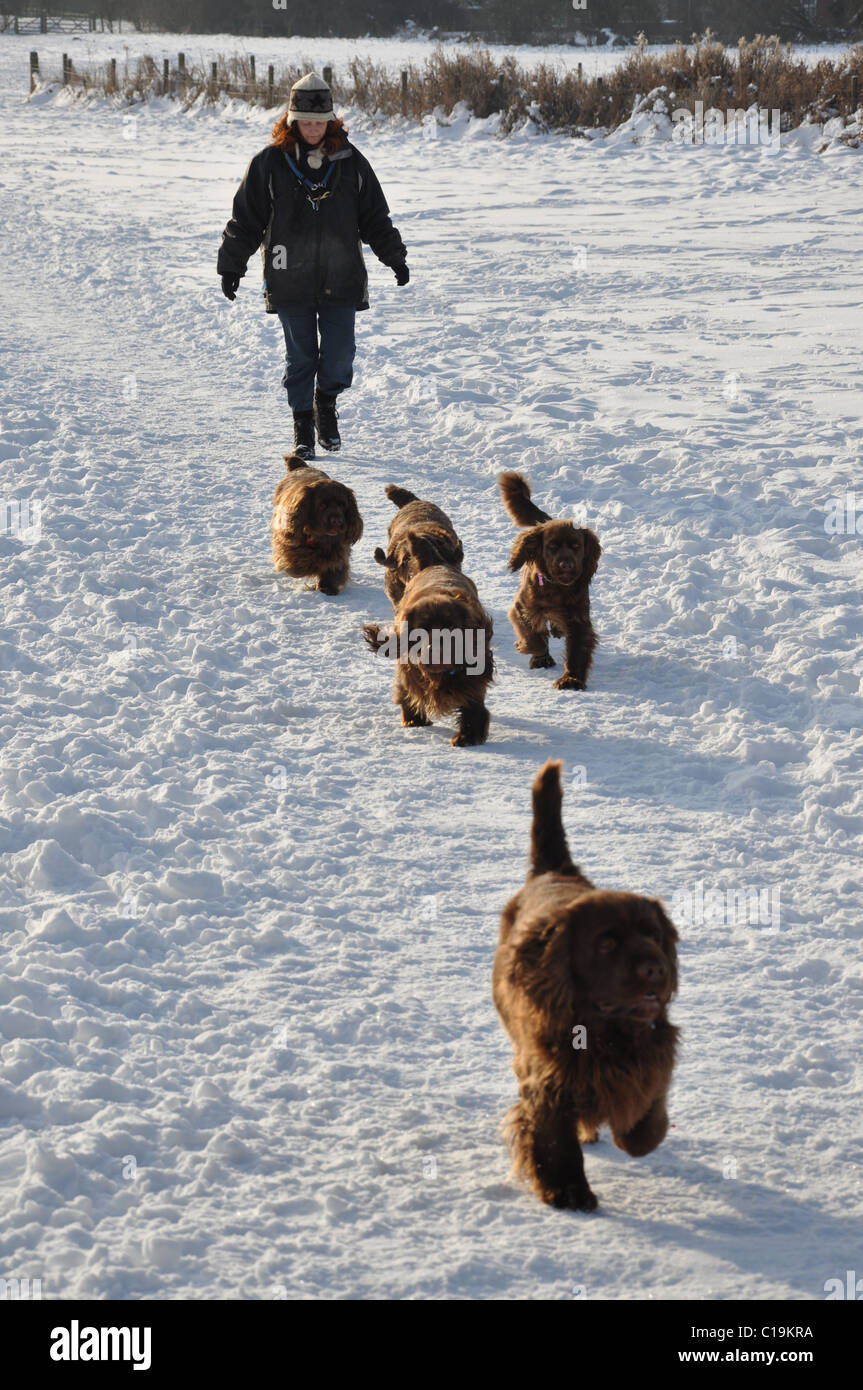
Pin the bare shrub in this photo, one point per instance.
(762, 72)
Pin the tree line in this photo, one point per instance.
(507, 21)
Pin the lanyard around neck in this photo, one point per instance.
(314, 191)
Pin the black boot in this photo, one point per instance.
(325, 420)
(304, 434)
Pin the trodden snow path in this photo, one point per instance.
(248, 921)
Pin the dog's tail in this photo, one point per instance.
(293, 462)
(399, 496)
(383, 559)
(515, 491)
(549, 852)
(372, 635)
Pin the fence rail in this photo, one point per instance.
(175, 79)
(43, 22)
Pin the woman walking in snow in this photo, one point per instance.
(308, 200)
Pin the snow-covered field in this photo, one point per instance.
(248, 921)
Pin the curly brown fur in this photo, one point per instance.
(315, 522)
(440, 599)
(558, 561)
(571, 958)
(415, 521)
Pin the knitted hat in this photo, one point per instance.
(311, 100)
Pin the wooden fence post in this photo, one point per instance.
(854, 92)
(254, 76)
(328, 77)
(113, 74)
(66, 69)
(404, 93)
(181, 70)
(271, 77)
(34, 69)
(214, 80)
(166, 75)
(579, 72)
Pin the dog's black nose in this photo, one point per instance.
(653, 972)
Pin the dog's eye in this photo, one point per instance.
(606, 943)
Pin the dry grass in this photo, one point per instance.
(145, 78)
(763, 71)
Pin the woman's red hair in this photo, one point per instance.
(286, 134)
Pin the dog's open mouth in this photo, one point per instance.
(643, 1010)
(648, 1008)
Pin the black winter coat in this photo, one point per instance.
(311, 257)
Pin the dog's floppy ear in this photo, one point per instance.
(353, 520)
(293, 513)
(669, 940)
(487, 626)
(592, 552)
(527, 547)
(389, 562)
(447, 543)
(425, 552)
(544, 970)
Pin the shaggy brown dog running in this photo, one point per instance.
(442, 643)
(413, 521)
(581, 982)
(314, 524)
(558, 561)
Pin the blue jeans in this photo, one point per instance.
(331, 362)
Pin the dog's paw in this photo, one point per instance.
(415, 721)
(573, 1197)
(539, 663)
(566, 682)
(466, 740)
(326, 586)
(646, 1136)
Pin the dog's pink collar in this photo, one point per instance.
(540, 578)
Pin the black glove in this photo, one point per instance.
(230, 285)
(402, 273)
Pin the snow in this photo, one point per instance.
(248, 921)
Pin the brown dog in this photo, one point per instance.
(558, 561)
(442, 644)
(581, 981)
(413, 521)
(315, 522)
